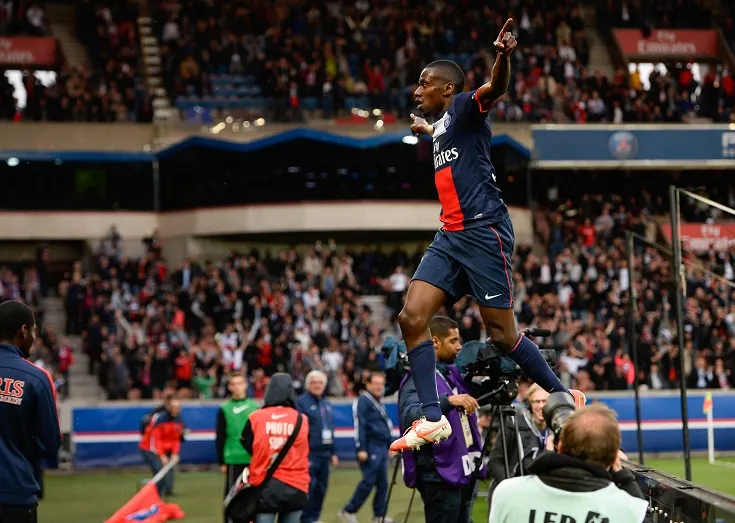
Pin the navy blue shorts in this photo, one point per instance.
(474, 261)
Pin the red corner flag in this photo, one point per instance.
(146, 507)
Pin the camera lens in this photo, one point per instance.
(557, 409)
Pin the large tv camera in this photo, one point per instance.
(490, 375)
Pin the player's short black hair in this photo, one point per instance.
(440, 326)
(13, 315)
(450, 71)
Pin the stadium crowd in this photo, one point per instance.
(24, 18)
(333, 57)
(586, 270)
(109, 89)
(328, 57)
(150, 326)
(29, 283)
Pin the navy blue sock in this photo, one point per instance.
(423, 369)
(529, 359)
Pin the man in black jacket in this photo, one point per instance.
(533, 437)
(584, 482)
(28, 416)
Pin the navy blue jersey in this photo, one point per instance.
(30, 426)
(463, 172)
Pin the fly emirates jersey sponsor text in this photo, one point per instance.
(463, 171)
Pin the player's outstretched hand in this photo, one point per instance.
(506, 43)
(421, 126)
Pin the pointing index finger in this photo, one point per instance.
(506, 26)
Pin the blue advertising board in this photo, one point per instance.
(107, 436)
(633, 146)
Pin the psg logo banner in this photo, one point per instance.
(649, 146)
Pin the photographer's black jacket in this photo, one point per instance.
(574, 475)
(532, 442)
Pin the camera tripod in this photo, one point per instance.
(502, 409)
(501, 402)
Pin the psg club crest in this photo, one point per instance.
(447, 120)
(623, 145)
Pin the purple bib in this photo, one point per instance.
(454, 461)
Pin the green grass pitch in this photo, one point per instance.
(92, 498)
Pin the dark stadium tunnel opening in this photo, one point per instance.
(311, 170)
(295, 171)
(76, 185)
(343, 238)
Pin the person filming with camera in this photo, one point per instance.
(582, 482)
(443, 473)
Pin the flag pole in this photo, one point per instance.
(633, 345)
(165, 470)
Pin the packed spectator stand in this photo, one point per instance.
(109, 89)
(149, 326)
(290, 60)
(29, 282)
(295, 59)
(23, 19)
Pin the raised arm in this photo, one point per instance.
(491, 92)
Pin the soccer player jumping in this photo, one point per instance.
(471, 253)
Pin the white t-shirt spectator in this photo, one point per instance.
(233, 357)
(545, 277)
(35, 16)
(617, 115)
(171, 31)
(228, 342)
(312, 265)
(565, 294)
(398, 282)
(302, 337)
(333, 359)
(624, 279)
(311, 299)
(575, 272)
(573, 364)
(596, 107)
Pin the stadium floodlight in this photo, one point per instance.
(410, 140)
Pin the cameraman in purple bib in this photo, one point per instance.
(443, 473)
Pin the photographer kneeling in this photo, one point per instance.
(443, 473)
(584, 482)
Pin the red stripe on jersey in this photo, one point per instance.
(451, 215)
(479, 104)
